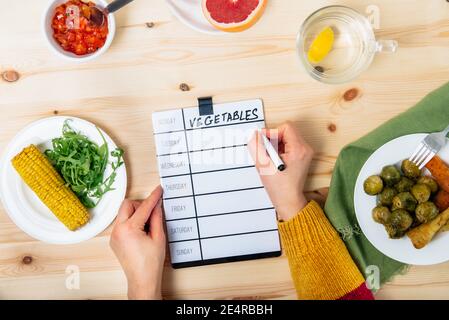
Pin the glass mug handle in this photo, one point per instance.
(387, 46)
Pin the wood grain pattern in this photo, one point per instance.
(142, 72)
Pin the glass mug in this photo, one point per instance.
(354, 48)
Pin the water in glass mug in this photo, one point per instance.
(354, 44)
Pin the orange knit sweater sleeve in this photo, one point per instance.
(320, 264)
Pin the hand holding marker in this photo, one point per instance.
(274, 156)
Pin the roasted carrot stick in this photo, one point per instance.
(440, 171)
(442, 200)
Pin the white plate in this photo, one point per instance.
(27, 211)
(401, 250)
(190, 13)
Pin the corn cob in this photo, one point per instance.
(38, 173)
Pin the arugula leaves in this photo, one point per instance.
(82, 164)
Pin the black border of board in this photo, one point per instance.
(200, 263)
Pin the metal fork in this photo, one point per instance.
(429, 147)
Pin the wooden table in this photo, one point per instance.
(142, 73)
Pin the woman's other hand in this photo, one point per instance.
(138, 241)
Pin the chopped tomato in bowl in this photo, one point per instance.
(73, 31)
(70, 33)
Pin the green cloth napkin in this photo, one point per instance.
(429, 115)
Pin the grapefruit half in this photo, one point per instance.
(233, 15)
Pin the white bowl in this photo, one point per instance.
(57, 49)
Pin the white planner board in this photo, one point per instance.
(216, 208)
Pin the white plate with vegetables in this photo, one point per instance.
(62, 180)
(401, 213)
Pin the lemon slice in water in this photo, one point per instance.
(321, 45)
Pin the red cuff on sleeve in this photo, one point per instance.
(361, 293)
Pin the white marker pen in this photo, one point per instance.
(274, 156)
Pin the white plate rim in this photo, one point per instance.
(176, 12)
(400, 250)
(120, 193)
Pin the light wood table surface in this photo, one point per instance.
(142, 73)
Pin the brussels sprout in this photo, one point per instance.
(421, 192)
(432, 184)
(381, 214)
(390, 175)
(401, 219)
(404, 200)
(426, 212)
(387, 195)
(404, 185)
(373, 185)
(393, 232)
(410, 169)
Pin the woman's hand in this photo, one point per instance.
(286, 188)
(141, 253)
